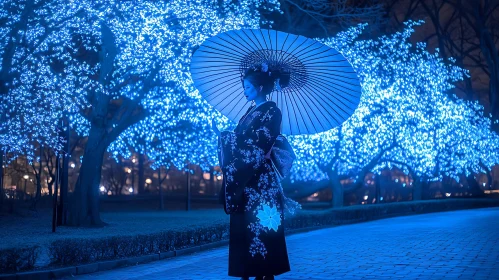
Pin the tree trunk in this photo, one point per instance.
(377, 180)
(161, 202)
(140, 187)
(473, 186)
(417, 188)
(63, 207)
(491, 54)
(2, 193)
(336, 189)
(212, 182)
(84, 207)
(38, 176)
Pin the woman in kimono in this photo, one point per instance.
(252, 193)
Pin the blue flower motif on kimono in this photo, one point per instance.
(269, 217)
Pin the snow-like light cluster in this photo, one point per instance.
(406, 117)
(50, 66)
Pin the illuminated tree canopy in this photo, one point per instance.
(120, 70)
(406, 118)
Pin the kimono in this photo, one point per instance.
(253, 196)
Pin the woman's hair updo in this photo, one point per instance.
(259, 75)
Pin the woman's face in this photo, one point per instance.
(250, 91)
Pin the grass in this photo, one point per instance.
(26, 230)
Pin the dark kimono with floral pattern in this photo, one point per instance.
(252, 194)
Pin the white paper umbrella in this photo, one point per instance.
(318, 90)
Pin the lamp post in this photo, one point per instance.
(26, 177)
(130, 171)
(133, 173)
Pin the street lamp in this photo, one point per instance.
(148, 182)
(131, 171)
(26, 177)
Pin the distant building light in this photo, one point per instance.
(219, 177)
(148, 181)
(102, 189)
(447, 194)
(73, 165)
(366, 197)
(130, 190)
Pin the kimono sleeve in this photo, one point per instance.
(242, 155)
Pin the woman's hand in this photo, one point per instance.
(214, 127)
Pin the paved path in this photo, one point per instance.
(450, 245)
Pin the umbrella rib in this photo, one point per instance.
(279, 60)
(333, 84)
(216, 55)
(310, 64)
(276, 43)
(248, 50)
(299, 111)
(231, 43)
(333, 81)
(312, 58)
(209, 81)
(311, 96)
(296, 119)
(288, 53)
(304, 48)
(263, 38)
(217, 43)
(335, 96)
(211, 70)
(320, 46)
(251, 31)
(216, 65)
(235, 96)
(208, 90)
(321, 96)
(259, 54)
(299, 96)
(210, 50)
(215, 74)
(254, 45)
(321, 104)
(333, 73)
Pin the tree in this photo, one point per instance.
(405, 118)
(322, 18)
(31, 99)
(466, 31)
(131, 61)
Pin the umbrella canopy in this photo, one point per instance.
(318, 89)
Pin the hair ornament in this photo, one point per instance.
(265, 67)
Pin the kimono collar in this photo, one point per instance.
(254, 108)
